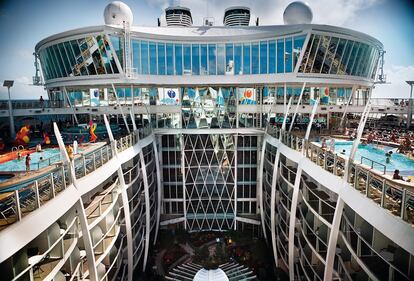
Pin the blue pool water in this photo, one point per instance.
(52, 154)
(371, 151)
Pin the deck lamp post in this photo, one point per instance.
(410, 105)
(9, 84)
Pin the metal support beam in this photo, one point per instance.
(297, 107)
(120, 108)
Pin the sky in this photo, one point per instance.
(24, 23)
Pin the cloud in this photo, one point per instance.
(22, 89)
(396, 86)
(270, 12)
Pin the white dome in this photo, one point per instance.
(211, 275)
(297, 12)
(117, 12)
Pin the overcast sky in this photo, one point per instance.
(23, 23)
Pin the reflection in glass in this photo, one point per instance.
(237, 59)
(246, 58)
(153, 58)
(187, 58)
(212, 59)
(144, 57)
(297, 48)
(220, 59)
(229, 59)
(263, 57)
(195, 52)
(288, 55)
(255, 58)
(204, 58)
(280, 56)
(170, 59)
(161, 58)
(272, 56)
(178, 48)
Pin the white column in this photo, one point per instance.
(147, 209)
(292, 222)
(125, 203)
(347, 105)
(273, 204)
(159, 188)
(297, 107)
(86, 235)
(120, 108)
(235, 182)
(262, 155)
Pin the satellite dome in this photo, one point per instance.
(117, 12)
(297, 12)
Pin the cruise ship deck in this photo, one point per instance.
(235, 152)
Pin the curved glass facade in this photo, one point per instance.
(332, 55)
(91, 55)
(260, 57)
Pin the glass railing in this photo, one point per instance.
(389, 194)
(48, 264)
(29, 196)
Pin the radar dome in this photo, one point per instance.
(297, 12)
(117, 12)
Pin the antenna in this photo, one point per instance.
(37, 79)
(382, 78)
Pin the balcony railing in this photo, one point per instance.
(387, 193)
(31, 195)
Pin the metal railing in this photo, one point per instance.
(388, 193)
(30, 195)
(373, 162)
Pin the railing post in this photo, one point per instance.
(403, 199)
(367, 185)
(84, 164)
(383, 193)
(52, 183)
(94, 161)
(63, 177)
(18, 210)
(37, 196)
(325, 159)
(335, 163)
(101, 153)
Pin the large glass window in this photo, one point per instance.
(288, 54)
(352, 58)
(153, 58)
(320, 54)
(272, 56)
(246, 58)
(280, 56)
(212, 59)
(195, 53)
(220, 59)
(255, 58)
(187, 58)
(263, 57)
(237, 59)
(229, 59)
(178, 59)
(204, 59)
(170, 59)
(144, 57)
(338, 55)
(312, 54)
(297, 48)
(161, 59)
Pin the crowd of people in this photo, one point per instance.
(403, 138)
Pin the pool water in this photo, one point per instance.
(49, 155)
(371, 151)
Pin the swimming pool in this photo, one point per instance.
(371, 151)
(49, 156)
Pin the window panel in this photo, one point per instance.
(65, 58)
(178, 48)
(204, 59)
(161, 58)
(272, 56)
(320, 54)
(352, 58)
(118, 46)
(104, 56)
(263, 57)
(221, 60)
(288, 55)
(229, 58)
(136, 55)
(170, 59)
(238, 59)
(153, 58)
(280, 55)
(255, 58)
(345, 57)
(312, 53)
(338, 55)
(329, 55)
(187, 58)
(44, 65)
(195, 53)
(111, 55)
(50, 64)
(246, 58)
(144, 57)
(58, 61)
(212, 59)
(297, 48)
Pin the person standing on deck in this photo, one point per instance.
(28, 162)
